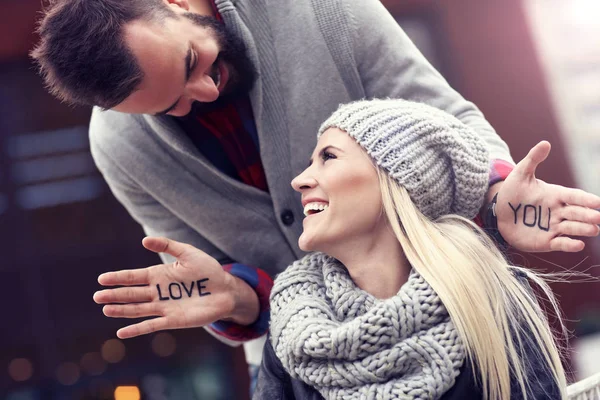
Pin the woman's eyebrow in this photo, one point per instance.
(322, 151)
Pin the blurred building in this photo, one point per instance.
(534, 72)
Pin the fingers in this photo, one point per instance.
(126, 277)
(536, 155)
(123, 295)
(566, 244)
(143, 328)
(580, 198)
(164, 245)
(581, 214)
(132, 310)
(572, 228)
(575, 228)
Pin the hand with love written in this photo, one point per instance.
(191, 292)
(535, 216)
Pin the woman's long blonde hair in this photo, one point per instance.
(490, 308)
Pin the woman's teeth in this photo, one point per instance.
(313, 208)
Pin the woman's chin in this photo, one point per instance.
(307, 243)
(304, 246)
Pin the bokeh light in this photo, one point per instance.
(20, 369)
(113, 351)
(24, 394)
(155, 384)
(127, 393)
(68, 373)
(164, 344)
(93, 364)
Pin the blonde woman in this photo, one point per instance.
(403, 297)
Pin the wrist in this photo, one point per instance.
(489, 197)
(248, 286)
(246, 307)
(499, 172)
(490, 222)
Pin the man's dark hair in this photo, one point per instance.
(82, 55)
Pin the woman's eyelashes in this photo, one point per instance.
(327, 156)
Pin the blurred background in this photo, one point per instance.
(532, 66)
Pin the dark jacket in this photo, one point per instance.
(274, 383)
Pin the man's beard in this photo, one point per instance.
(234, 55)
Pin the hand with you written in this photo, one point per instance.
(536, 216)
(193, 291)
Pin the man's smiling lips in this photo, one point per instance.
(223, 76)
(215, 74)
(219, 74)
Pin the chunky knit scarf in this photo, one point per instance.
(347, 344)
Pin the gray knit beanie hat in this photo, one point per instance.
(442, 163)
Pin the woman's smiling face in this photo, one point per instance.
(340, 194)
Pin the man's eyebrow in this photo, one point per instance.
(188, 72)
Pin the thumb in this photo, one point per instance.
(535, 157)
(164, 245)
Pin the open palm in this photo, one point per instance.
(191, 292)
(535, 216)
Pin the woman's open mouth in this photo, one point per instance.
(315, 208)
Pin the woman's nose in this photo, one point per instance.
(303, 181)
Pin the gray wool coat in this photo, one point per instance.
(311, 55)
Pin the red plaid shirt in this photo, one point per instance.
(227, 136)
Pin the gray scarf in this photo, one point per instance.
(347, 344)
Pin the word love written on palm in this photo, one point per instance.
(175, 291)
(530, 210)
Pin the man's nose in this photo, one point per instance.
(202, 88)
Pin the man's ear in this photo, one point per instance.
(178, 3)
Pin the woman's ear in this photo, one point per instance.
(179, 3)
